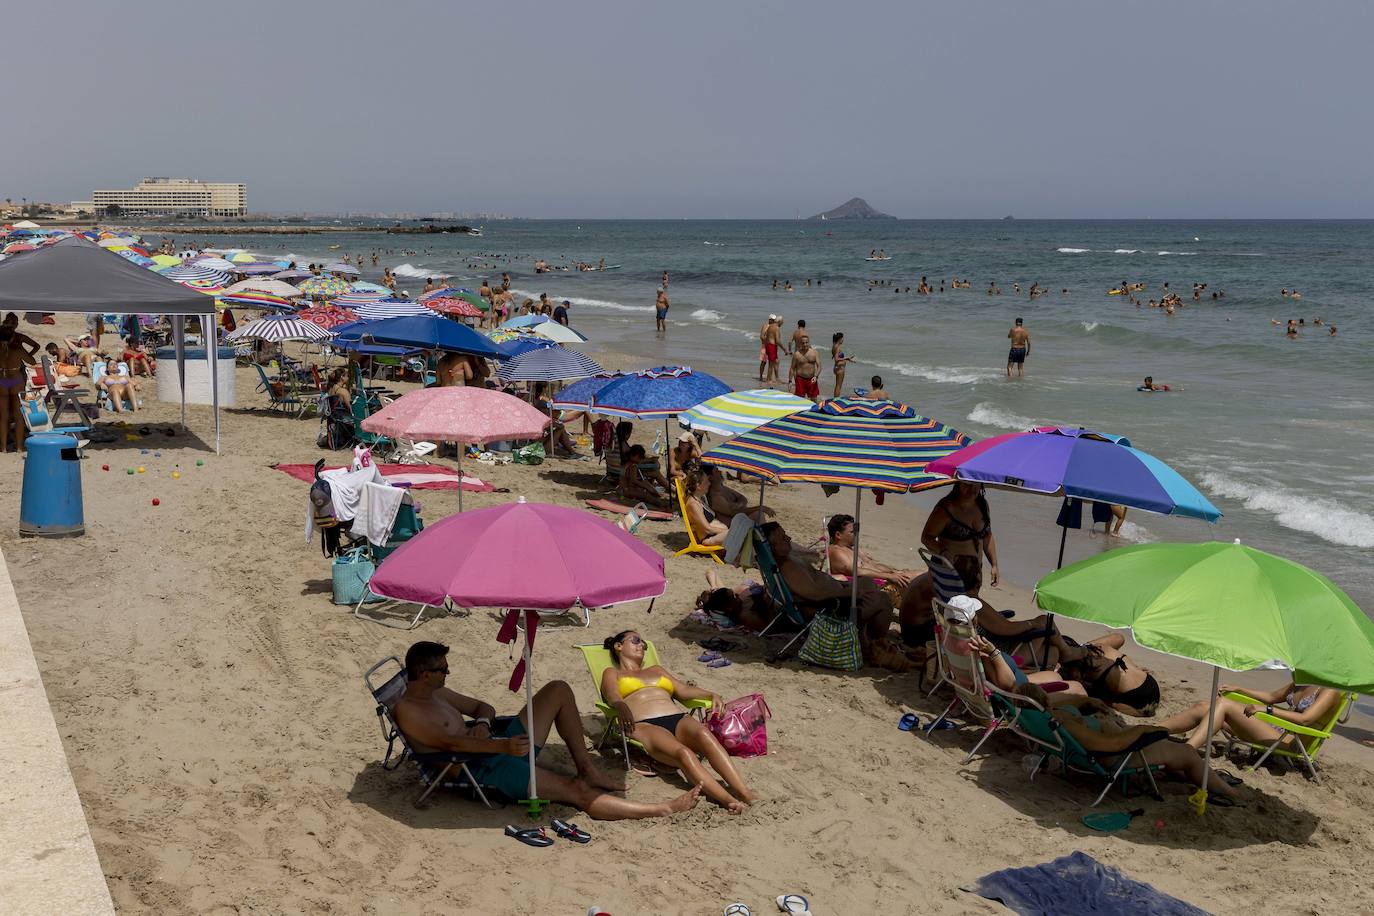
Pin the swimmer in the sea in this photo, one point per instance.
(1151, 386)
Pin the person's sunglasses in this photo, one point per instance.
(635, 640)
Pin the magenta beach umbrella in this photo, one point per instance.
(568, 559)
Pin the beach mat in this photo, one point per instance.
(607, 505)
(418, 476)
(1077, 885)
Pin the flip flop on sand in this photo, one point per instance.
(570, 831)
(708, 656)
(794, 903)
(1231, 779)
(719, 663)
(908, 722)
(534, 836)
(738, 909)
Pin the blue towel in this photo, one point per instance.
(1077, 885)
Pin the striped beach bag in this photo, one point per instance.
(833, 642)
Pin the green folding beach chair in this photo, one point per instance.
(381, 446)
(598, 659)
(1040, 728)
(777, 589)
(1307, 742)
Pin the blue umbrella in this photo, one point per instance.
(547, 364)
(430, 332)
(350, 331)
(578, 395)
(521, 345)
(525, 321)
(660, 393)
(356, 345)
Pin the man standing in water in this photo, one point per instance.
(1020, 348)
(806, 365)
(661, 310)
(769, 338)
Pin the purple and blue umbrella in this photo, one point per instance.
(654, 394)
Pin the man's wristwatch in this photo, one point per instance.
(1269, 708)
(482, 720)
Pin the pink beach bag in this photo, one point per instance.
(742, 726)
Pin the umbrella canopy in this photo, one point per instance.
(458, 414)
(131, 255)
(271, 287)
(525, 321)
(17, 247)
(255, 299)
(559, 332)
(277, 328)
(257, 268)
(351, 299)
(293, 273)
(1063, 461)
(652, 394)
(339, 268)
(322, 287)
(361, 286)
(1224, 604)
(430, 332)
(117, 242)
(26, 224)
(165, 260)
(517, 344)
(451, 305)
(576, 559)
(328, 317)
(578, 395)
(389, 308)
(548, 364)
(209, 262)
(239, 256)
(195, 274)
(73, 275)
(740, 411)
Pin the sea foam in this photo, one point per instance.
(589, 303)
(945, 374)
(988, 414)
(1176, 252)
(1089, 326)
(1126, 251)
(410, 271)
(1329, 520)
(706, 315)
(1073, 250)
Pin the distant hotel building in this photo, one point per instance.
(177, 195)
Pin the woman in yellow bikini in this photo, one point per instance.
(643, 698)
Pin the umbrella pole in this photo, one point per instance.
(1049, 618)
(1199, 798)
(460, 475)
(529, 705)
(854, 579)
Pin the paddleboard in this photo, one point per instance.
(607, 505)
(888, 258)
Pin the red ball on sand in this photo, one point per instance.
(156, 501)
(104, 467)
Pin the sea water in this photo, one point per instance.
(1277, 432)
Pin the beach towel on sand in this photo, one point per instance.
(1077, 885)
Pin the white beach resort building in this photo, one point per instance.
(177, 195)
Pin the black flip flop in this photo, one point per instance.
(570, 832)
(1223, 801)
(533, 836)
(1231, 779)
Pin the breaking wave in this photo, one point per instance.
(988, 414)
(1329, 520)
(1073, 250)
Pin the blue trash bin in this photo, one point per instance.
(50, 506)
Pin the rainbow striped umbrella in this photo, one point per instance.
(253, 298)
(740, 411)
(847, 442)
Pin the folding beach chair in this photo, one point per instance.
(281, 391)
(36, 420)
(63, 398)
(948, 584)
(1052, 741)
(98, 372)
(598, 659)
(1307, 741)
(693, 546)
(777, 589)
(434, 768)
(381, 446)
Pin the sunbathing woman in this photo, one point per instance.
(118, 387)
(1108, 673)
(748, 605)
(638, 485)
(708, 530)
(643, 699)
(1310, 706)
(1103, 735)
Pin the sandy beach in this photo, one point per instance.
(210, 700)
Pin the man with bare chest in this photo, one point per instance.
(435, 718)
(806, 366)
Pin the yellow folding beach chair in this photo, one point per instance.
(598, 659)
(1307, 742)
(693, 546)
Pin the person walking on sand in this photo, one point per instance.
(1020, 348)
(661, 308)
(805, 367)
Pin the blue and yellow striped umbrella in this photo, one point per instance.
(740, 411)
(847, 442)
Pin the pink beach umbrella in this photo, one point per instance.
(458, 414)
(569, 559)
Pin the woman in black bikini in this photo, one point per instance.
(1108, 674)
(961, 525)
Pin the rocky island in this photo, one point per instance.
(854, 208)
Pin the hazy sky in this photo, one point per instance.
(735, 109)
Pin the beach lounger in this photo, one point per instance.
(36, 420)
(1040, 728)
(693, 546)
(63, 398)
(1307, 741)
(598, 659)
(281, 392)
(948, 584)
(434, 768)
(776, 585)
(98, 372)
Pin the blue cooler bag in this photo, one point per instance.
(352, 572)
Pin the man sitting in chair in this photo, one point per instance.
(812, 587)
(434, 718)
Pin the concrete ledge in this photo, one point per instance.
(48, 863)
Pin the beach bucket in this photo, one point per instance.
(352, 572)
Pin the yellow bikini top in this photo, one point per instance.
(628, 685)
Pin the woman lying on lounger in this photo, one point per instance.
(1105, 736)
(1310, 706)
(643, 699)
(748, 605)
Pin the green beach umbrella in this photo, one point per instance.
(1227, 605)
